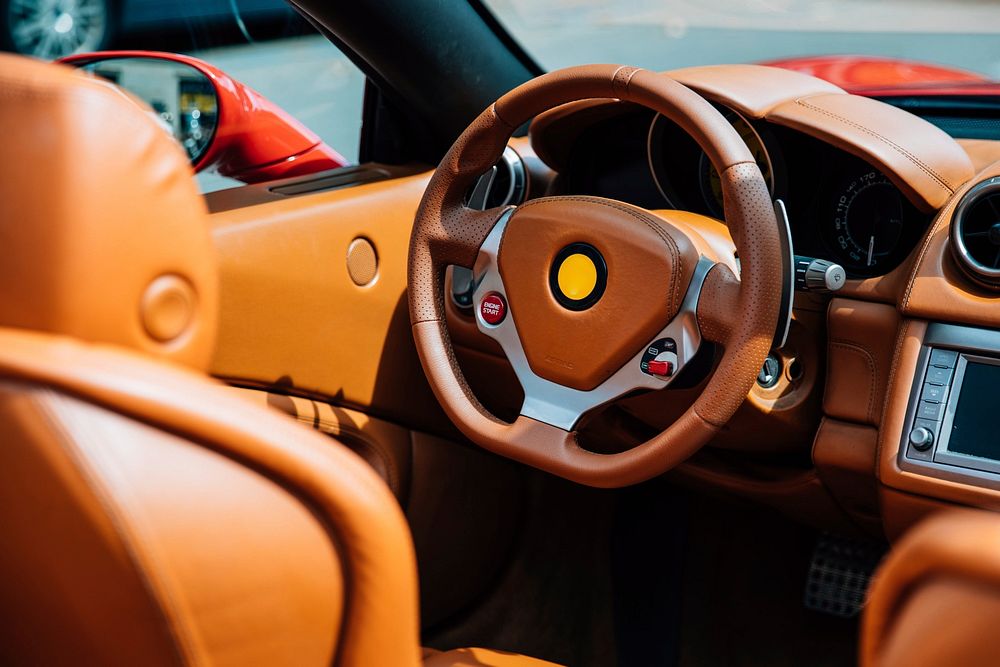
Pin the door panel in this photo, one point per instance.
(291, 317)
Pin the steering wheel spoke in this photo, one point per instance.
(591, 298)
(653, 367)
(719, 304)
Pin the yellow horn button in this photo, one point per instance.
(577, 277)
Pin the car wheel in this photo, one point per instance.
(51, 29)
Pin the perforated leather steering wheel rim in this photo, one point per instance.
(446, 233)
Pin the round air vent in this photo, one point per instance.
(503, 184)
(975, 233)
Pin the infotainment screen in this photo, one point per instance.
(975, 430)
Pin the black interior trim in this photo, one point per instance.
(409, 51)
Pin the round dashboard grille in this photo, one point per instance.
(975, 233)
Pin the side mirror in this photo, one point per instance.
(222, 124)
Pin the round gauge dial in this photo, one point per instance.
(711, 182)
(867, 221)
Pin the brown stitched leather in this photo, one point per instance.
(47, 508)
(920, 164)
(718, 306)
(90, 231)
(861, 344)
(649, 266)
(439, 238)
(750, 216)
(937, 289)
(924, 162)
(928, 170)
(261, 541)
(380, 614)
(948, 567)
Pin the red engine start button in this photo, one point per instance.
(493, 308)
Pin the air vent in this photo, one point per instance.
(975, 233)
(504, 184)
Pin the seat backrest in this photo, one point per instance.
(148, 515)
(935, 601)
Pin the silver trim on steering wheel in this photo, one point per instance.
(562, 406)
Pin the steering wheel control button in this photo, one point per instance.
(660, 358)
(493, 309)
(661, 368)
(921, 438)
(578, 276)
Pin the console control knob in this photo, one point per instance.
(818, 275)
(921, 438)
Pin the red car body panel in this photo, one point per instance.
(255, 140)
(888, 77)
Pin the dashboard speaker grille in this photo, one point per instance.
(362, 261)
(975, 233)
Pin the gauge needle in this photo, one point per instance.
(871, 250)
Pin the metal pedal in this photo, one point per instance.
(839, 573)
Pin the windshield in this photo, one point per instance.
(668, 34)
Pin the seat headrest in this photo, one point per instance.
(103, 234)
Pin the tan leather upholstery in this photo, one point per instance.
(935, 601)
(446, 232)
(141, 499)
(861, 343)
(150, 515)
(117, 259)
(982, 152)
(922, 160)
(650, 259)
(937, 289)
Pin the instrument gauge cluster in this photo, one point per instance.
(867, 225)
(841, 208)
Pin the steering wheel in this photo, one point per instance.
(592, 298)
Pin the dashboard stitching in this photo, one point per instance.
(675, 258)
(912, 158)
(890, 389)
(872, 366)
(942, 216)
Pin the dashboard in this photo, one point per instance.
(840, 207)
(886, 375)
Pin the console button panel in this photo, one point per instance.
(931, 402)
(952, 427)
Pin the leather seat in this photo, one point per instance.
(936, 599)
(149, 516)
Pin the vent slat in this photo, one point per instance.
(975, 233)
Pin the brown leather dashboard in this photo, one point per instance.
(924, 162)
(293, 321)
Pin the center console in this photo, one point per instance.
(952, 427)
